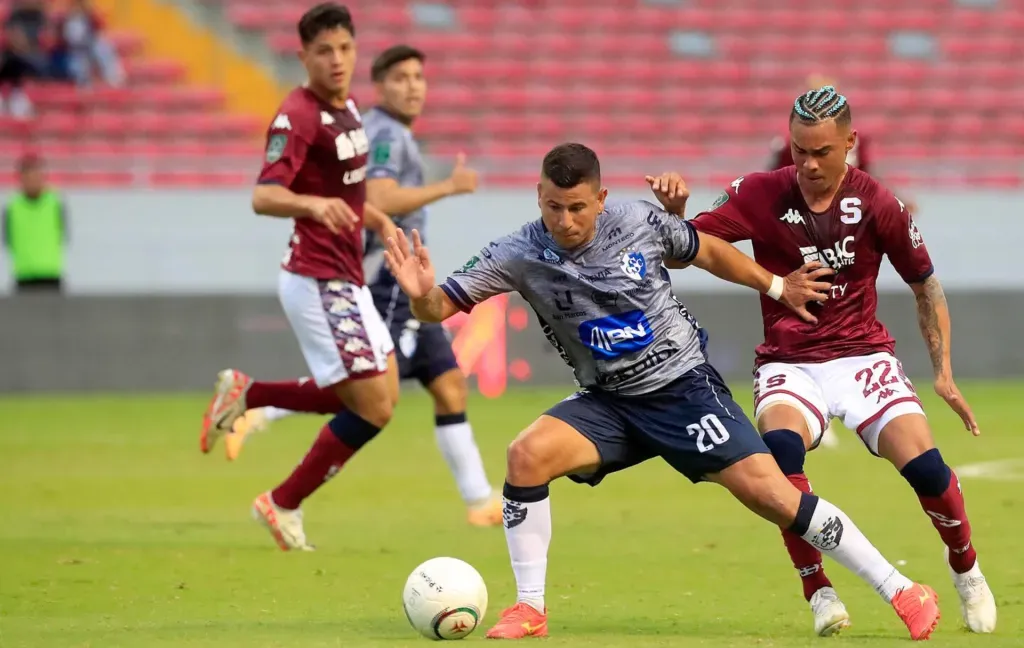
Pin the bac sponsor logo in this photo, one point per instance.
(842, 255)
(351, 144)
(616, 335)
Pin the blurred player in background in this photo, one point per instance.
(395, 184)
(844, 367)
(314, 173)
(637, 354)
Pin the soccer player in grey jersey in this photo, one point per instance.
(395, 183)
(594, 275)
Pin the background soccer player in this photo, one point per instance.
(646, 387)
(395, 184)
(315, 173)
(844, 367)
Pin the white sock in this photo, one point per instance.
(835, 535)
(463, 457)
(528, 533)
(272, 413)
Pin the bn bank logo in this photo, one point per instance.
(616, 335)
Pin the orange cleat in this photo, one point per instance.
(520, 621)
(486, 514)
(918, 607)
(227, 405)
(253, 420)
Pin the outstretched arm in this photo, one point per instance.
(795, 291)
(435, 306)
(933, 320)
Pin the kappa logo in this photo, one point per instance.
(793, 217)
(342, 306)
(281, 122)
(736, 184)
(348, 326)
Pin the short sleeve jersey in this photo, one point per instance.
(394, 154)
(316, 149)
(864, 223)
(606, 306)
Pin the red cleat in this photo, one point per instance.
(918, 607)
(520, 621)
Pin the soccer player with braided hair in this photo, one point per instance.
(843, 365)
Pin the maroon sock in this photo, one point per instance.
(322, 462)
(806, 558)
(949, 517)
(296, 395)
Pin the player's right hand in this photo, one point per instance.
(414, 272)
(804, 286)
(333, 213)
(463, 178)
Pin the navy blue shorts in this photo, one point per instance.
(692, 423)
(424, 351)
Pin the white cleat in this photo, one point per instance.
(284, 525)
(830, 615)
(977, 604)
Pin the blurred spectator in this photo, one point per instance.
(82, 49)
(30, 17)
(18, 62)
(35, 231)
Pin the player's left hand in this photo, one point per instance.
(947, 389)
(414, 272)
(804, 286)
(670, 190)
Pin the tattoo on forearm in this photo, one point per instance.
(929, 300)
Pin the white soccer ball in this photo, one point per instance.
(445, 599)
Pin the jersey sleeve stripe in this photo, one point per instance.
(695, 246)
(457, 295)
(927, 273)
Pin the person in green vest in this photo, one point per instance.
(35, 231)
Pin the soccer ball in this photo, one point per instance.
(445, 598)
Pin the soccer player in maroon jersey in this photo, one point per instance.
(843, 366)
(315, 173)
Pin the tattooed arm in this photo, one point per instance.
(933, 319)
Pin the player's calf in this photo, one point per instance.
(788, 449)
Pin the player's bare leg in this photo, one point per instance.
(906, 442)
(786, 433)
(367, 407)
(455, 440)
(549, 448)
(757, 482)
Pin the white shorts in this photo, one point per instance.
(340, 332)
(865, 392)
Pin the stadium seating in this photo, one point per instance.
(700, 86)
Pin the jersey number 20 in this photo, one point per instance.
(709, 432)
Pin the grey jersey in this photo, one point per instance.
(394, 154)
(607, 307)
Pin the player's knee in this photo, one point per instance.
(352, 429)
(788, 449)
(526, 462)
(377, 411)
(927, 474)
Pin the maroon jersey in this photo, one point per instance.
(316, 149)
(858, 157)
(864, 221)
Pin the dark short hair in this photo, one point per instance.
(29, 162)
(821, 105)
(391, 57)
(324, 17)
(570, 164)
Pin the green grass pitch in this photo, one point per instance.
(115, 531)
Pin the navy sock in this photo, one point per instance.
(927, 474)
(788, 449)
(804, 514)
(525, 494)
(352, 430)
(440, 420)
